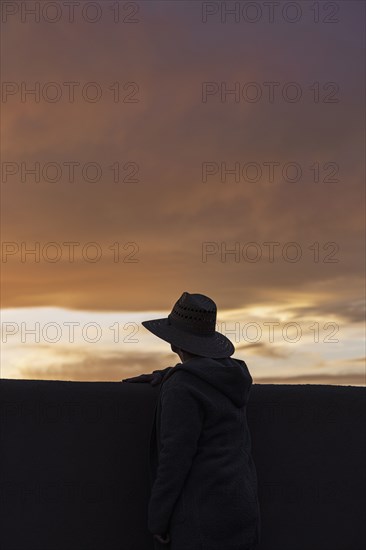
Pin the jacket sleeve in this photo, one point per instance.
(162, 372)
(180, 428)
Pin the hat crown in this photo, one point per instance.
(194, 313)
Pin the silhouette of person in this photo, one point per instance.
(204, 493)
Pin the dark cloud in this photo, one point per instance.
(352, 379)
(94, 367)
(265, 350)
(348, 311)
(170, 133)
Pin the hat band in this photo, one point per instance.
(197, 330)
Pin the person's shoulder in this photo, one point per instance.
(178, 380)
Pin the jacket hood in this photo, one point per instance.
(230, 376)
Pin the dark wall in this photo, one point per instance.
(74, 465)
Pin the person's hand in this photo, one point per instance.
(154, 378)
(164, 539)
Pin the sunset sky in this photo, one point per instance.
(210, 134)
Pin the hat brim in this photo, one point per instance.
(216, 346)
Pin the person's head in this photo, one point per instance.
(183, 354)
(191, 326)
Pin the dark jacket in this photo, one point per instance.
(203, 478)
